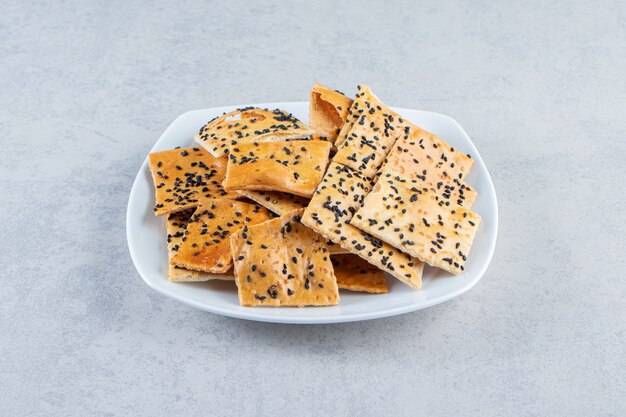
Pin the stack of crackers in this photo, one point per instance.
(293, 213)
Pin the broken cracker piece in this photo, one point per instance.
(356, 274)
(176, 224)
(205, 246)
(327, 112)
(247, 125)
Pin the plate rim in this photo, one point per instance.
(260, 317)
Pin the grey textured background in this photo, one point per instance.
(86, 88)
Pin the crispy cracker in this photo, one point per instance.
(275, 201)
(282, 203)
(354, 112)
(283, 263)
(295, 167)
(327, 112)
(205, 246)
(432, 164)
(369, 140)
(337, 198)
(247, 125)
(176, 224)
(335, 249)
(183, 176)
(356, 274)
(418, 223)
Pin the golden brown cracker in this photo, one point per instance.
(356, 274)
(294, 167)
(205, 246)
(247, 125)
(282, 203)
(283, 263)
(419, 223)
(176, 225)
(275, 201)
(183, 176)
(433, 164)
(327, 113)
(372, 135)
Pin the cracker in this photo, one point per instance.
(283, 263)
(330, 211)
(335, 249)
(369, 140)
(282, 203)
(433, 164)
(183, 176)
(247, 125)
(295, 167)
(275, 201)
(419, 223)
(327, 112)
(176, 225)
(205, 246)
(354, 112)
(356, 274)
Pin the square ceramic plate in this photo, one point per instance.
(146, 237)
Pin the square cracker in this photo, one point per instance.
(283, 263)
(369, 140)
(431, 163)
(294, 167)
(418, 223)
(283, 203)
(247, 125)
(205, 246)
(327, 112)
(176, 224)
(356, 274)
(183, 176)
(330, 211)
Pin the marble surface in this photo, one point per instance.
(87, 88)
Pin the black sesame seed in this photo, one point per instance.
(272, 291)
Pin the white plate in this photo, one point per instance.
(146, 237)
